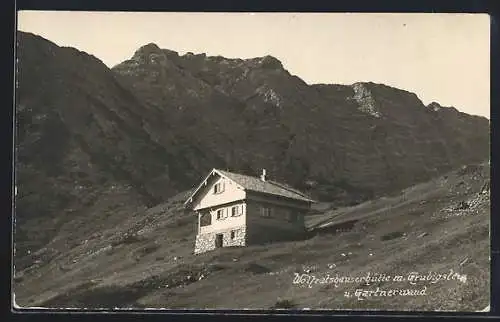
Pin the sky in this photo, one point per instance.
(440, 57)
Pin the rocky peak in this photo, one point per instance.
(265, 62)
(192, 55)
(271, 62)
(434, 106)
(151, 53)
(148, 49)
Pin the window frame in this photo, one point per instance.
(265, 211)
(236, 211)
(218, 188)
(221, 211)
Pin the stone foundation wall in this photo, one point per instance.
(206, 242)
(239, 237)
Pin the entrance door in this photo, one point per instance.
(218, 240)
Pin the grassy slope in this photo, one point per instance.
(154, 265)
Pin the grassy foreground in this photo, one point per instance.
(435, 233)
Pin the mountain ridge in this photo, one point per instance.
(155, 49)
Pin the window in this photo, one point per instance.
(235, 211)
(219, 187)
(265, 212)
(205, 219)
(233, 234)
(221, 213)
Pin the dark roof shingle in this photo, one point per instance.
(268, 186)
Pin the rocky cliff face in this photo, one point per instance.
(156, 123)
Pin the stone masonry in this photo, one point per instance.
(206, 242)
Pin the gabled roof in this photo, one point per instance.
(268, 186)
(257, 185)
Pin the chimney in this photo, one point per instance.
(263, 175)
